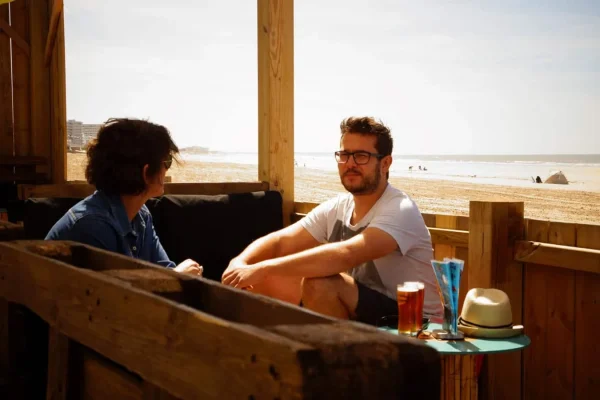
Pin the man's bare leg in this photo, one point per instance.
(335, 296)
(282, 288)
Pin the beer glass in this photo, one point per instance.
(407, 296)
(418, 326)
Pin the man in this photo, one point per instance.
(346, 257)
(127, 162)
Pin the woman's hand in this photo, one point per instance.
(190, 267)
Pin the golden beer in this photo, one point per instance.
(418, 326)
(408, 297)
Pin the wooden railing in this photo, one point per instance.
(124, 328)
(551, 271)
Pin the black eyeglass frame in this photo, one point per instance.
(338, 156)
(168, 163)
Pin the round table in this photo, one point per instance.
(461, 360)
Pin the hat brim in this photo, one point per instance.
(491, 333)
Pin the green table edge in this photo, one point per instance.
(472, 346)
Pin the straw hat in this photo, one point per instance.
(486, 313)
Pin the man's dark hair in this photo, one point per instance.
(369, 126)
(117, 156)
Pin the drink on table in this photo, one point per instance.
(407, 296)
(418, 326)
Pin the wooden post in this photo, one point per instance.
(58, 109)
(276, 99)
(40, 87)
(493, 229)
(58, 365)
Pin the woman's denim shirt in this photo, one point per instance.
(100, 220)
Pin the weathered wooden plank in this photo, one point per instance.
(205, 295)
(339, 341)
(276, 98)
(494, 227)
(6, 117)
(429, 220)
(122, 323)
(58, 365)
(21, 90)
(55, 15)
(81, 190)
(561, 318)
(567, 257)
(304, 208)
(587, 323)
(4, 346)
(58, 102)
(535, 317)
(40, 86)
(152, 392)
(444, 250)
(16, 37)
(341, 360)
(450, 237)
(103, 379)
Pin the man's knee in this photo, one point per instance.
(326, 287)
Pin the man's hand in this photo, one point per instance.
(244, 277)
(190, 267)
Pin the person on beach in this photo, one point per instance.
(347, 256)
(127, 163)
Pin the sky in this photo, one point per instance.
(448, 77)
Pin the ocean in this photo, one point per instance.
(582, 170)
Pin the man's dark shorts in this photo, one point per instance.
(373, 305)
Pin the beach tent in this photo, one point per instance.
(557, 178)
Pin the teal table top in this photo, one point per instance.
(471, 345)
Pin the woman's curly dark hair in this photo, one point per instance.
(117, 156)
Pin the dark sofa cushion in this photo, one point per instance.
(214, 229)
(41, 214)
(209, 229)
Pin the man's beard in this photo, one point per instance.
(368, 185)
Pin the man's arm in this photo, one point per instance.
(326, 260)
(289, 240)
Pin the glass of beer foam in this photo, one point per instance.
(419, 306)
(407, 296)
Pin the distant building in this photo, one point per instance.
(80, 134)
(74, 135)
(90, 131)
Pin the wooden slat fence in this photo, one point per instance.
(560, 288)
(32, 95)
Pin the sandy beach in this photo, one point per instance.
(432, 196)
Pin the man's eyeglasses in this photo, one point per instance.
(168, 163)
(360, 157)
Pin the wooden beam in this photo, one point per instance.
(39, 86)
(19, 19)
(14, 35)
(276, 98)
(574, 258)
(6, 103)
(58, 106)
(81, 190)
(494, 227)
(55, 17)
(450, 237)
(99, 311)
(197, 355)
(58, 365)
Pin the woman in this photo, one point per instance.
(127, 163)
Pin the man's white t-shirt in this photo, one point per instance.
(396, 214)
